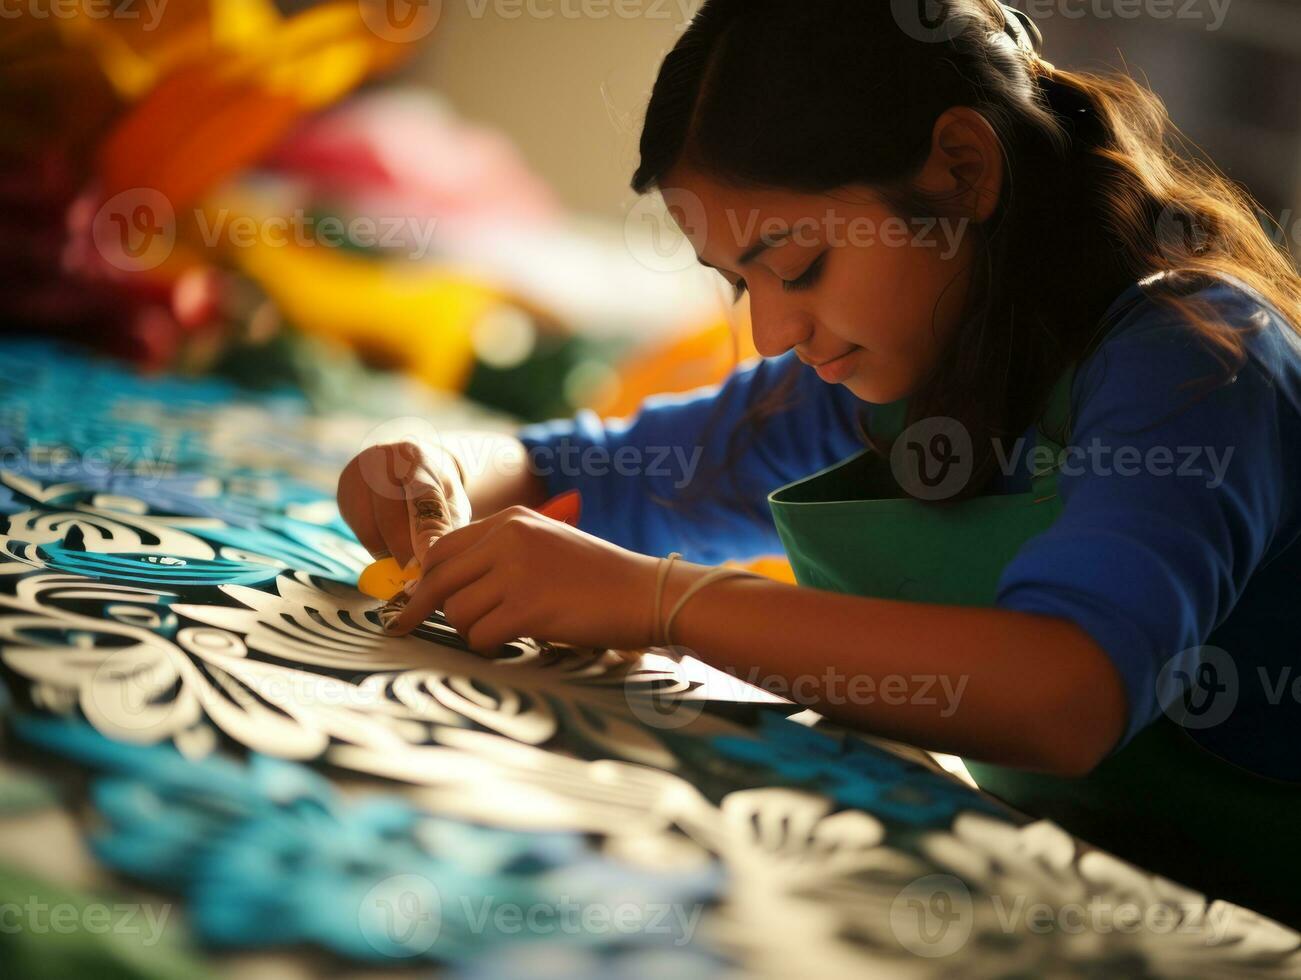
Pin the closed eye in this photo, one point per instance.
(808, 278)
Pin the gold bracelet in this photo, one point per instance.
(695, 587)
(661, 575)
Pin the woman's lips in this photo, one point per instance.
(836, 371)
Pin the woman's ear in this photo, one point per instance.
(965, 166)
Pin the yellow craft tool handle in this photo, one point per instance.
(385, 578)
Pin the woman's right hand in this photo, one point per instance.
(400, 497)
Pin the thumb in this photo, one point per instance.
(427, 511)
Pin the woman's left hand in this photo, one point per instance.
(518, 573)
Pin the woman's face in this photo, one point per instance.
(867, 298)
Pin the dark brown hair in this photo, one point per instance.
(1100, 191)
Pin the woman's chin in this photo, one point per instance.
(873, 390)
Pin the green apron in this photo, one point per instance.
(1162, 802)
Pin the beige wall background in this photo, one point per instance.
(566, 79)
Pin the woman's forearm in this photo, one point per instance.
(496, 470)
(1006, 687)
(1010, 688)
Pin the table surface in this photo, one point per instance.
(195, 680)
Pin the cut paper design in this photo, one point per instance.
(1090, 894)
(178, 613)
(285, 674)
(268, 853)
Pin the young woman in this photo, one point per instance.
(1027, 424)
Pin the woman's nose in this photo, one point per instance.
(777, 327)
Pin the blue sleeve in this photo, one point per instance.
(1170, 502)
(654, 482)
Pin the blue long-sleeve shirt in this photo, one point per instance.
(1179, 530)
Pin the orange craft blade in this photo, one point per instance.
(385, 578)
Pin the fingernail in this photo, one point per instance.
(391, 611)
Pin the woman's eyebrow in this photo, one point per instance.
(755, 250)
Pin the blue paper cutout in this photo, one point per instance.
(853, 773)
(268, 854)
